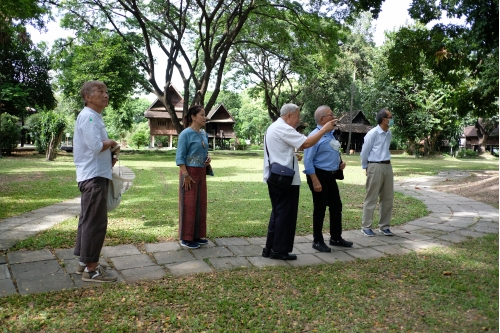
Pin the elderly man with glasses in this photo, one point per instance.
(376, 160)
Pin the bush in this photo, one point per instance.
(140, 138)
(10, 133)
(466, 153)
(255, 147)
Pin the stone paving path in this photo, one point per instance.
(453, 219)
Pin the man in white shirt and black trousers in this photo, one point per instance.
(376, 160)
(94, 161)
(281, 139)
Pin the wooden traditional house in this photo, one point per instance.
(219, 121)
(475, 136)
(360, 126)
(219, 127)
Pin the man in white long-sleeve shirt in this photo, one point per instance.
(376, 160)
(93, 160)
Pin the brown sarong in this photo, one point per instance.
(193, 206)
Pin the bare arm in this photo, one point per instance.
(313, 139)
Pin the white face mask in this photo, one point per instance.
(335, 144)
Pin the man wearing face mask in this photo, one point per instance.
(376, 160)
(321, 162)
(281, 140)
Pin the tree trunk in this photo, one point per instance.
(411, 147)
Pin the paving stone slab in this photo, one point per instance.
(163, 247)
(485, 230)
(301, 239)
(7, 288)
(246, 250)
(332, 257)
(305, 247)
(409, 227)
(462, 223)
(213, 252)
(29, 256)
(257, 240)
(443, 227)
(432, 232)
(2, 259)
(486, 224)
(222, 264)
(190, 267)
(231, 241)
(422, 245)
(370, 241)
(132, 261)
(392, 249)
(36, 269)
(414, 236)
(454, 238)
(348, 235)
(41, 284)
(119, 251)
(6, 244)
(262, 262)
(470, 233)
(4, 272)
(367, 253)
(173, 257)
(143, 273)
(65, 254)
(305, 260)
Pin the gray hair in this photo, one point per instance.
(288, 108)
(320, 112)
(381, 114)
(88, 89)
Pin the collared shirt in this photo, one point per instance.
(90, 132)
(281, 140)
(192, 148)
(376, 146)
(321, 155)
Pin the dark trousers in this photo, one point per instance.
(281, 229)
(93, 220)
(329, 196)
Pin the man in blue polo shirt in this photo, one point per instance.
(321, 162)
(376, 160)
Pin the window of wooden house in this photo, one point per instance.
(161, 122)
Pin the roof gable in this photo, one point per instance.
(220, 114)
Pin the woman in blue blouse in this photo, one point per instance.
(192, 159)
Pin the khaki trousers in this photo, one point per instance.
(379, 184)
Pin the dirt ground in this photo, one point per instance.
(481, 186)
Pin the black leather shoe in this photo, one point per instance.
(266, 252)
(321, 247)
(340, 242)
(282, 256)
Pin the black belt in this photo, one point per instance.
(327, 172)
(382, 162)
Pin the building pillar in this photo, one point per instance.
(170, 141)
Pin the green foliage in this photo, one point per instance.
(467, 52)
(10, 133)
(24, 72)
(97, 55)
(140, 135)
(46, 128)
(466, 153)
(120, 121)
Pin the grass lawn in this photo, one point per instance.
(440, 290)
(238, 205)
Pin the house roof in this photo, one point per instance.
(157, 110)
(359, 123)
(356, 128)
(219, 114)
(470, 131)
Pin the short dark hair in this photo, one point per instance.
(381, 115)
(193, 111)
